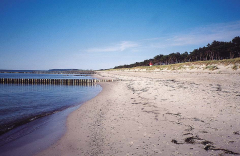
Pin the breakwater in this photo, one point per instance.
(52, 81)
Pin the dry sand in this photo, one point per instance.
(156, 113)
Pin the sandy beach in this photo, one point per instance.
(156, 113)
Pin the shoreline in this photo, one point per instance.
(37, 135)
(72, 125)
(161, 113)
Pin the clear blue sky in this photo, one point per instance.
(95, 34)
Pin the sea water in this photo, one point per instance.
(26, 108)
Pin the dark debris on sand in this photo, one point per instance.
(208, 145)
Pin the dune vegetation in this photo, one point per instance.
(211, 65)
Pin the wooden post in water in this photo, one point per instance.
(84, 82)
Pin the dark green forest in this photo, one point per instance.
(217, 50)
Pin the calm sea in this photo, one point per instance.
(21, 104)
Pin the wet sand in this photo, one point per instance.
(157, 113)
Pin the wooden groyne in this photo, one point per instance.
(52, 81)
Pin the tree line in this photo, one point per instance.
(217, 50)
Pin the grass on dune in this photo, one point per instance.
(210, 65)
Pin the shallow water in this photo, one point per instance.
(20, 104)
(26, 111)
(35, 136)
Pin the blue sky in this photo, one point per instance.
(96, 34)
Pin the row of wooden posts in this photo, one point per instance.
(51, 81)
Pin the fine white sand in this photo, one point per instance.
(156, 113)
